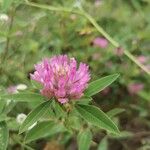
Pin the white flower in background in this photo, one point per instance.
(20, 118)
(21, 87)
(4, 17)
(34, 124)
(77, 4)
(13, 89)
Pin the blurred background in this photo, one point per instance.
(28, 34)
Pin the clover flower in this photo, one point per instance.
(14, 89)
(135, 88)
(4, 17)
(20, 118)
(61, 78)
(142, 59)
(100, 42)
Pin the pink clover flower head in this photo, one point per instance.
(61, 78)
(100, 42)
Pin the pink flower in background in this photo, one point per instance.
(109, 64)
(100, 42)
(148, 67)
(135, 88)
(106, 91)
(61, 78)
(96, 56)
(73, 17)
(142, 59)
(12, 89)
(98, 3)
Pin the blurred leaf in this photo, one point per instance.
(84, 139)
(100, 84)
(24, 97)
(3, 136)
(115, 112)
(35, 115)
(142, 111)
(3, 117)
(2, 104)
(97, 117)
(145, 96)
(44, 129)
(73, 122)
(103, 145)
(9, 107)
(122, 135)
(6, 4)
(66, 137)
(36, 85)
(13, 125)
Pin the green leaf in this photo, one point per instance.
(100, 84)
(97, 117)
(36, 85)
(115, 112)
(9, 107)
(49, 115)
(59, 112)
(24, 97)
(84, 140)
(103, 145)
(4, 134)
(35, 115)
(73, 122)
(84, 100)
(44, 129)
(6, 4)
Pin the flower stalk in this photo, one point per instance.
(95, 24)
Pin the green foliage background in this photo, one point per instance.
(31, 34)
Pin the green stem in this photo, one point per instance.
(16, 139)
(52, 8)
(96, 25)
(100, 29)
(114, 43)
(129, 55)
